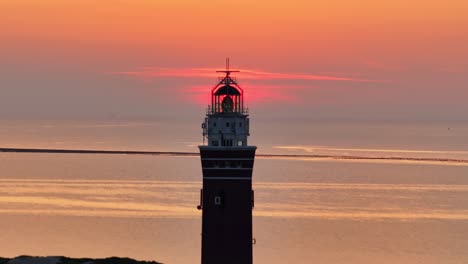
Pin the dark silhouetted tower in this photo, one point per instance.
(227, 198)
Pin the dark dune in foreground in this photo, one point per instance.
(65, 260)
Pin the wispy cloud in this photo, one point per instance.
(383, 155)
(263, 87)
(245, 74)
(324, 148)
(168, 199)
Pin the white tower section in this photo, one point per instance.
(226, 123)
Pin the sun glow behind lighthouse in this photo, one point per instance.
(266, 87)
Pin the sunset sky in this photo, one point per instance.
(358, 111)
(150, 59)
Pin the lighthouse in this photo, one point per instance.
(227, 198)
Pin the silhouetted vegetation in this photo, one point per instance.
(111, 260)
(65, 260)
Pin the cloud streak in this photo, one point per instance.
(245, 74)
(321, 148)
(167, 199)
(263, 87)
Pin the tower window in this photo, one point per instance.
(217, 200)
(214, 142)
(240, 124)
(214, 124)
(227, 124)
(239, 143)
(227, 143)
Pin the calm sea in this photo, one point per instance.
(308, 210)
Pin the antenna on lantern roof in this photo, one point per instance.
(228, 70)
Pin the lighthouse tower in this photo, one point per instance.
(227, 198)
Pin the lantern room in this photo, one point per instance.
(227, 96)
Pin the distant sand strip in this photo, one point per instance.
(194, 154)
(88, 151)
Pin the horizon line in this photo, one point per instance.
(194, 154)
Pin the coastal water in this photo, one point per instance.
(307, 210)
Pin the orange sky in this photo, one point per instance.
(207, 24)
(405, 44)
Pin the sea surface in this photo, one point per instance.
(342, 206)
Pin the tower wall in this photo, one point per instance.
(227, 201)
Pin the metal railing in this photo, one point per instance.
(243, 111)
